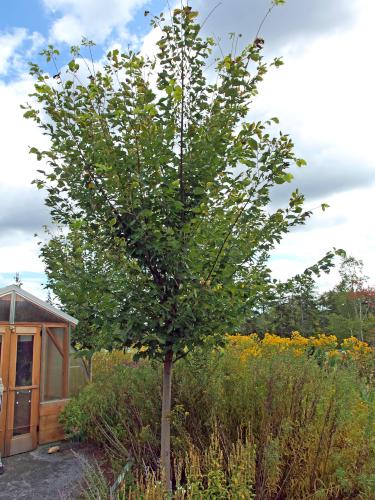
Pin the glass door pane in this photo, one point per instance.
(24, 377)
(22, 412)
(24, 364)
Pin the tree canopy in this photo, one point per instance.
(156, 160)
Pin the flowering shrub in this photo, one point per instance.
(252, 345)
(355, 347)
(309, 419)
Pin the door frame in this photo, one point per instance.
(28, 441)
(4, 365)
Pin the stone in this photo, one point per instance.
(53, 449)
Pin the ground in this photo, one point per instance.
(37, 475)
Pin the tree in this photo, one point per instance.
(348, 309)
(296, 308)
(156, 165)
(88, 286)
(351, 273)
(363, 301)
(293, 304)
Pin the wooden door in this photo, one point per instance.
(23, 380)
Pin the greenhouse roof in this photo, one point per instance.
(17, 290)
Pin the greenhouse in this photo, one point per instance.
(35, 365)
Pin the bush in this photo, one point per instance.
(120, 411)
(309, 423)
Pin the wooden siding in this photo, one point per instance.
(50, 429)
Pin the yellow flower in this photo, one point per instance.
(247, 346)
(324, 341)
(356, 347)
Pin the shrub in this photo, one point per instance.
(120, 411)
(308, 422)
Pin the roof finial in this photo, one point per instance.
(17, 279)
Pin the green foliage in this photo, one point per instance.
(299, 429)
(294, 309)
(205, 476)
(349, 308)
(351, 274)
(293, 305)
(115, 412)
(95, 485)
(162, 186)
(88, 286)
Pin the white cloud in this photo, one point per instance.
(16, 46)
(95, 19)
(20, 253)
(297, 20)
(37, 41)
(9, 42)
(323, 96)
(67, 29)
(17, 167)
(19, 201)
(149, 43)
(34, 286)
(346, 224)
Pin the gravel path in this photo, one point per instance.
(37, 475)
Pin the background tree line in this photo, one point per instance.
(348, 309)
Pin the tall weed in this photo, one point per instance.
(277, 426)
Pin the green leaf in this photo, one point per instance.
(288, 177)
(300, 162)
(146, 213)
(177, 93)
(36, 152)
(278, 62)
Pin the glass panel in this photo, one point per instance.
(5, 307)
(53, 372)
(27, 311)
(22, 411)
(24, 365)
(58, 335)
(77, 375)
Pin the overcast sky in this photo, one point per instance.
(323, 95)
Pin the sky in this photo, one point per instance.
(323, 96)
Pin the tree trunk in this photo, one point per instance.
(165, 458)
(90, 368)
(360, 320)
(87, 364)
